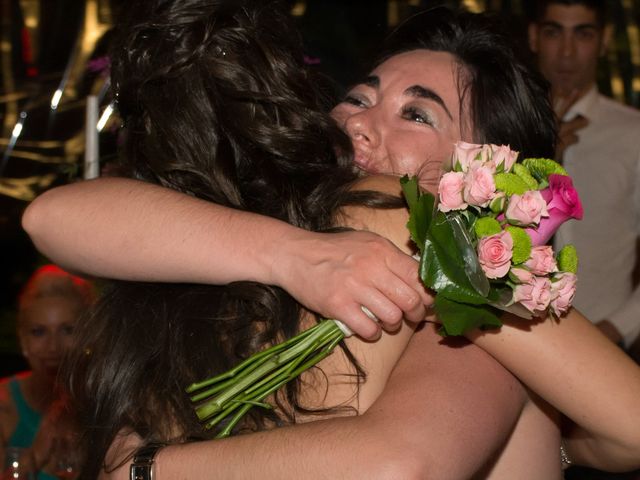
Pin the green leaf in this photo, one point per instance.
(521, 244)
(541, 168)
(421, 208)
(457, 318)
(443, 266)
(568, 259)
(510, 184)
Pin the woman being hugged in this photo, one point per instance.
(216, 105)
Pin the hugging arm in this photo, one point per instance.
(446, 410)
(587, 378)
(127, 229)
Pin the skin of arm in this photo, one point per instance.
(580, 372)
(460, 394)
(131, 230)
(446, 409)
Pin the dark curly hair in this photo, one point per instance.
(217, 104)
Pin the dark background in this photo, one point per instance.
(340, 38)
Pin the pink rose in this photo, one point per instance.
(563, 203)
(526, 209)
(503, 155)
(464, 154)
(563, 289)
(521, 275)
(535, 295)
(450, 192)
(494, 254)
(541, 261)
(479, 188)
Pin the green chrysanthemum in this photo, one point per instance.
(510, 183)
(522, 172)
(541, 168)
(521, 244)
(486, 226)
(568, 259)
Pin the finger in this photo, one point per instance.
(406, 298)
(360, 323)
(387, 313)
(407, 271)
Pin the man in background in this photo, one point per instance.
(599, 145)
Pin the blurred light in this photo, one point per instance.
(104, 117)
(56, 99)
(298, 9)
(17, 130)
(473, 6)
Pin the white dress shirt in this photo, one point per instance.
(605, 167)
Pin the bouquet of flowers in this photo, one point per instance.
(482, 249)
(482, 245)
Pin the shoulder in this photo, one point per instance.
(620, 113)
(387, 222)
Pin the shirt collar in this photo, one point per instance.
(584, 106)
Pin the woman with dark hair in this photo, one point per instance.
(175, 321)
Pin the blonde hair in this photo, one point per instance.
(51, 281)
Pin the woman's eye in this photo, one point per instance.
(355, 100)
(37, 332)
(416, 115)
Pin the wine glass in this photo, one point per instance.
(18, 464)
(65, 459)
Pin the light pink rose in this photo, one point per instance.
(563, 289)
(450, 192)
(522, 275)
(535, 295)
(526, 209)
(480, 187)
(494, 254)
(502, 154)
(541, 261)
(464, 154)
(563, 203)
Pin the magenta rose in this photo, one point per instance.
(450, 192)
(480, 187)
(563, 203)
(464, 154)
(503, 155)
(526, 209)
(541, 261)
(563, 289)
(494, 254)
(535, 295)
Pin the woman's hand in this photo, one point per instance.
(336, 274)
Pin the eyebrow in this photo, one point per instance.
(423, 92)
(418, 91)
(580, 26)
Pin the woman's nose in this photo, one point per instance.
(361, 129)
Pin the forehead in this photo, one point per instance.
(438, 71)
(51, 311)
(570, 15)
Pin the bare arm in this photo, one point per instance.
(444, 412)
(576, 369)
(126, 229)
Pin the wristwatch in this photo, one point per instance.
(142, 464)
